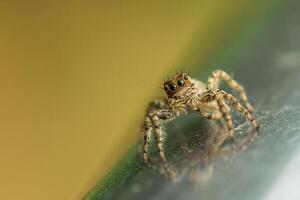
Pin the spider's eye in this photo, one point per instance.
(180, 82)
(172, 88)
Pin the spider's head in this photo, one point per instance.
(176, 83)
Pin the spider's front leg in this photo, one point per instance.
(157, 113)
(158, 117)
(147, 127)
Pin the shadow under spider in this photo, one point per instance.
(195, 156)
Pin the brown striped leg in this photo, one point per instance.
(214, 82)
(147, 127)
(159, 138)
(159, 144)
(239, 107)
(147, 137)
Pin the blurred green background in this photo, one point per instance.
(75, 78)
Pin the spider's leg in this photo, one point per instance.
(157, 117)
(147, 127)
(147, 137)
(159, 137)
(213, 83)
(239, 107)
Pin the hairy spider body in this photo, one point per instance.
(185, 95)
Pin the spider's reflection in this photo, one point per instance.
(209, 148)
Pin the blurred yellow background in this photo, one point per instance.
(75, 78)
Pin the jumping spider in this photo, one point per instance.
(185, 95)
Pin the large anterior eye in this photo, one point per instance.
(180, 82)
(172, 87)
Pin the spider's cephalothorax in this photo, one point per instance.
(183, 92)
(185, 95)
